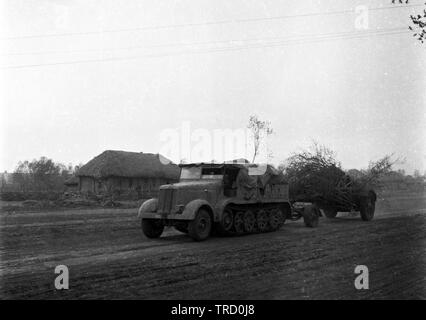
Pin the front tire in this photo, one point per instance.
(152, 228)
(199, 229)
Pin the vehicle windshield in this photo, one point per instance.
(196, 173)
(212, 173)
(190, 173)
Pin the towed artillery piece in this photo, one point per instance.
(335, 192)
(227, 199)
(362, 201)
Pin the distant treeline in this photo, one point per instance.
(398, 181)
(38, 175)
(44, 178)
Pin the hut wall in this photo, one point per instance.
(87, 184)
(72, 187)
(123, 187)
(138, 188)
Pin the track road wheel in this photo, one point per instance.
(310, 217)
(330, 213)
(276, 219)
(239, 222)
(367, 207)
(262, 221)
(225, 225)
(249, 221)
(152, 228)
(199, 229)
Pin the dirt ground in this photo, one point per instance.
(108, 257)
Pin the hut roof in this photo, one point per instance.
(71, 181)
(129, 164)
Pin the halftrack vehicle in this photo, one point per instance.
(226, 198)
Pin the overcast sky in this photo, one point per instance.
(313, 74)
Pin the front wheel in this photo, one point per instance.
(199, 229)
(152, 228)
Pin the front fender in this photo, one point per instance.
(148, 208)
(220, 207)
(192, 207)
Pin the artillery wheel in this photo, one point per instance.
(367, 207)
(330, 213)
(199, 229)
(239, 222)
(249, 221)
(152, 228)
(276, 219)
(262, 221)
(311, 217)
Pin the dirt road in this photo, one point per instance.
(108, 257)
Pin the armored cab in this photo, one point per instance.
(226, 198)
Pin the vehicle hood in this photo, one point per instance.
(193, 184)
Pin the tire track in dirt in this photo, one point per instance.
(109, 258)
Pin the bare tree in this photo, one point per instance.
(417, 174)
(418, 26)
(260, 130)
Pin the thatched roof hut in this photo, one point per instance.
(130, 165)
(127, 174)
(72, 181)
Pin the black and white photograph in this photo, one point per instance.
(212, 154)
